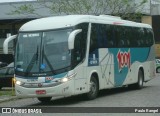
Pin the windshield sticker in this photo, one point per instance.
(43, 66)
(48, 79)
(31, 35)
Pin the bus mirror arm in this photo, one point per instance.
(6, 42)
(72, 38)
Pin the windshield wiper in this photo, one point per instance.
(45, 57)
(31, 63)
(37, 55)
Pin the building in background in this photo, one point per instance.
(10, 24)
(153, 18)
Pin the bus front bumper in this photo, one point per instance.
(62, 90)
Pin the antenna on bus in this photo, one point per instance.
(109, 16)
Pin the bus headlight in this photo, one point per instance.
(19, 83)
(69, 77)
(64, 79)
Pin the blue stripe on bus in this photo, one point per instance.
(136, 54)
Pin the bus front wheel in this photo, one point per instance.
(44, 99)
(92, 94)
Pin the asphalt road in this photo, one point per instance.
(149, 96)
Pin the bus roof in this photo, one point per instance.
(57, 22)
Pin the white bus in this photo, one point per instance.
(82, 54)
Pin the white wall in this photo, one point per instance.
(155, 7)
(151, 7)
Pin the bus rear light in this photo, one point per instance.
(39, 92)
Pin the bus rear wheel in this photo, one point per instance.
(44, 99)
(92, 94)
(139, 84)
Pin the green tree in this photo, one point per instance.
(126, 9)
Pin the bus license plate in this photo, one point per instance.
(40, 92)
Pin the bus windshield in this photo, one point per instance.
(42, 53)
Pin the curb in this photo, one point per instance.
(7, 98)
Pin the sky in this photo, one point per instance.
(2, 1)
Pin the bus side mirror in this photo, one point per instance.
(71, 38)
(6, 42)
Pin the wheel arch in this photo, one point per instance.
(95, 74)
(97, 77)
(93, 86)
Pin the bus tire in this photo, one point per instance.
(44, 99)
(158, 70)
(93, 93)
(139, 84)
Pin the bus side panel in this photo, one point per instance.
(150, 66)
(149, 70)
(93, 67)
(106, 63)
(80, 80)
(126, 64)
(101, 61)
(120, 66)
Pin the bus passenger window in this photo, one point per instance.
(110, 43)
(109, 36)
(121, 43)
(93, 40)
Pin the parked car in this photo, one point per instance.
(157, 65)
(3, 64)
(6, 76)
